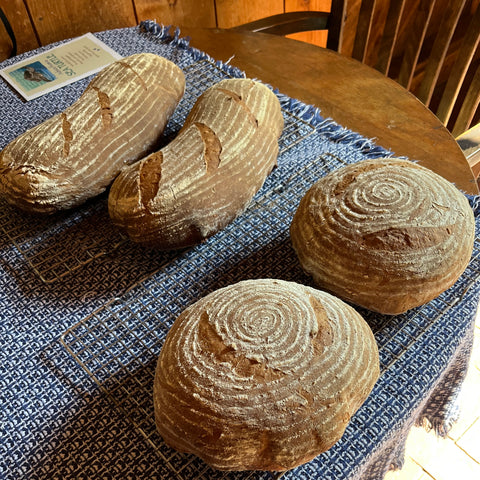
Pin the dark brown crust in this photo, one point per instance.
(211, 342)
(407, 238)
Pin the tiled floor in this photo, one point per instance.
(456, 457)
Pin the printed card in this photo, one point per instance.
(59, 66)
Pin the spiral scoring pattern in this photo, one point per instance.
(385, 234)
(263, 375)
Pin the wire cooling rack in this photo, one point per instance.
(118, 345)
(55, 246)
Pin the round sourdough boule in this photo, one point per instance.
(263, 375)
(385, 234)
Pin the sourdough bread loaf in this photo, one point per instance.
(206, 177)
(76, 154)
(263, 375)
(386, 234)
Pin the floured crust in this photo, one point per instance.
(76, 154)
(203, 179)
(263, 375)
(386, 234)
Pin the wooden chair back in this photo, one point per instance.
(430, 47)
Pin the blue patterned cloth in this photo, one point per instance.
(78, 341)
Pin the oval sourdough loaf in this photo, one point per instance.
(76, 154)
(263, 375)
(205, 178)
(385, 234)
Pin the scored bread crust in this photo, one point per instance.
(207, 175)
(263, 375)
(76, 154)
(385, 234)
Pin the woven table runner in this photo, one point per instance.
(84, 312)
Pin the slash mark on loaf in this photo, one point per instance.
(150, 176)
(139, 78)
(67, 135)
(322, 335)
(213, 148)
(238, 99)
(406, 238)
(347, 180)
(105, 109)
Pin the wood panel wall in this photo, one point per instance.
(40, 22)
(17, 14)
(318, 37)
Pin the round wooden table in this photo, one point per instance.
(351, 93)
